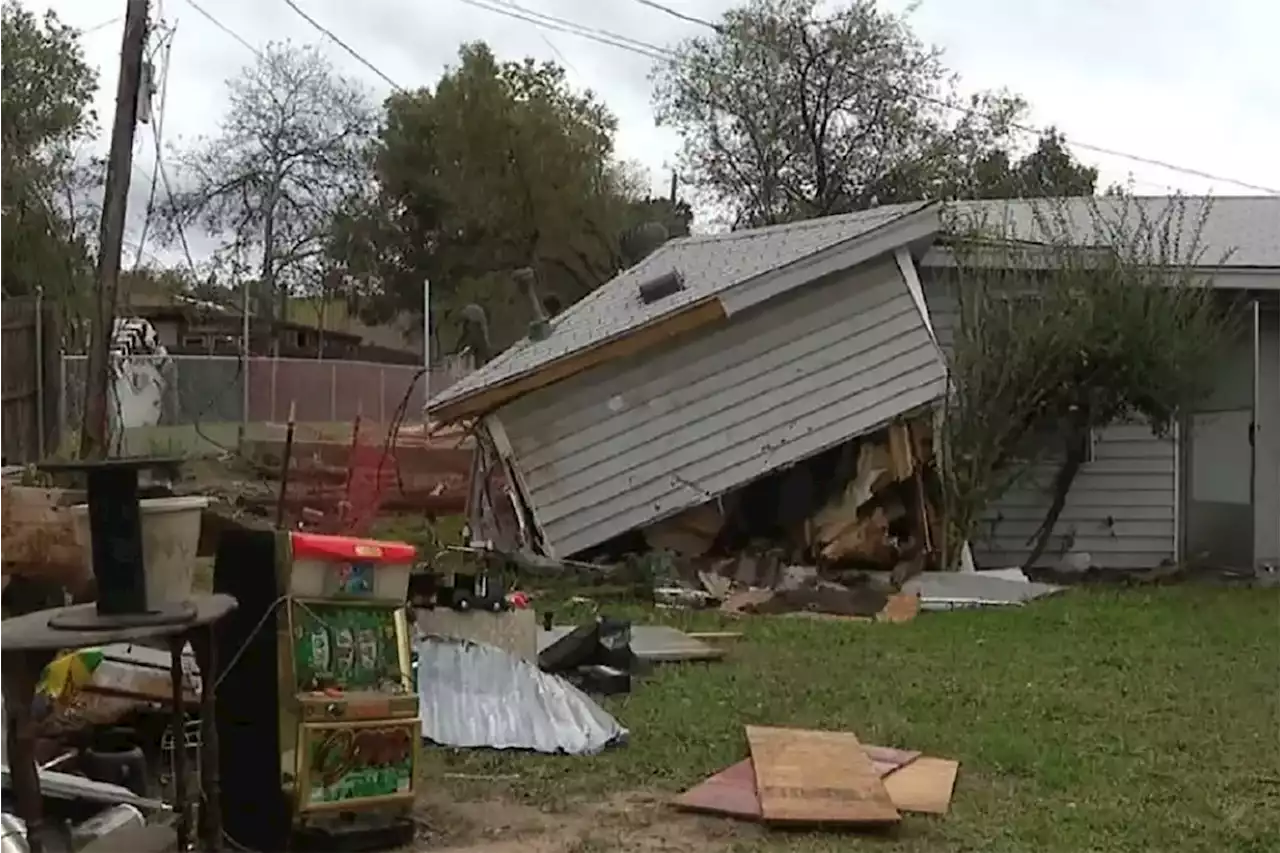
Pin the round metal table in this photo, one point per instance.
(28, 643)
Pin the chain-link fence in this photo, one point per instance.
(149, 391)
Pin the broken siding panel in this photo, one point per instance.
(1121, 509)
(624, 445)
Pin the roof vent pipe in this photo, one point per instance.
(661, 287)
(475, 333)
(527, 280)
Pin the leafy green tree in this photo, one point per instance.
(788, 112)
(500, 166)
(48, 88)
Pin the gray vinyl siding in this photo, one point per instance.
(1121, 509)
(631, 442)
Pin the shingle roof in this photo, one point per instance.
(710, 265)
(1244, 229)
(1246, 226)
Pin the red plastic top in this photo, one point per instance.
(350, 549)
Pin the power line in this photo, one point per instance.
(157, 131)
(102, 26)
(235, 35)
(551, 22)
(602, 36)
(656, 52)
(678, 15)
(342, 44)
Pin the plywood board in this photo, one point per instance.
(732, 791)
(805, 777)
(924, 785)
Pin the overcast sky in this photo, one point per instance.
(1188, 82)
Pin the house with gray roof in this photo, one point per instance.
(774, 344)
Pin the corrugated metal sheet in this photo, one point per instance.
(473, 695)
(1121, 509)
(626, 444)
(1247, 227)
(710, 264)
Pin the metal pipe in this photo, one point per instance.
(178, 723)
(210, 773)
(244, 355)
(426, 345)
(284, 468)
(40, 362)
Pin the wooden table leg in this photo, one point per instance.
(210, 827)
(177, 725)
(20, 672)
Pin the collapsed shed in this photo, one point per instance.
(754, 351)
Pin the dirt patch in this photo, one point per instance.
(637, 822)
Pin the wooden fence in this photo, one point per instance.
(30, 365)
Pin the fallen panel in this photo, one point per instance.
(68, 786)
(924, 785)
(732, 791)
(651, 643)
(473, 695)
(808, 777)
(949, 590)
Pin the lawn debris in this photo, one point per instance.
(809, 778)
(648, 644)
(963, 590)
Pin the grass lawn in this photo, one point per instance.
(1102, 720)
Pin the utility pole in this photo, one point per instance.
(93, 430)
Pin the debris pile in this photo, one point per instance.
(802, 778)
(813, 535)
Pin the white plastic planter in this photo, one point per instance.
(170, 539)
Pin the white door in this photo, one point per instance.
(1219, 482)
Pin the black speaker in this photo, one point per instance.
(255, 808)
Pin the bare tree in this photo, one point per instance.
(793, 110)
(291, 147)
(1069, 325)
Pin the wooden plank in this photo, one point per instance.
(714, 636)
(806, 777)
(925, 785)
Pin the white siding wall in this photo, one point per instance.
(631, 442)
(1121, 509)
